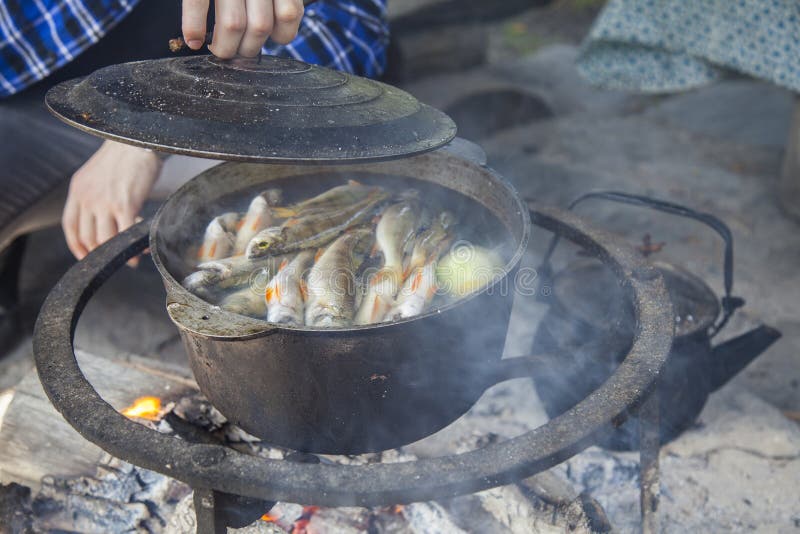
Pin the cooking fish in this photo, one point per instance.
(337, 197)
(313, 230)
(417, 292)
(331, 283)
(430, 242)
(285, 294)
(246, 301)
(233, 272)
(259, 216)
(219, 239)
(397, 224)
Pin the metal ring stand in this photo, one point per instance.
(224, 479)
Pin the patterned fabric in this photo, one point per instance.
(671, 45)
(352, 36)
(39, 36)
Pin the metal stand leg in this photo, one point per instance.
(650, 444)
(216, 511)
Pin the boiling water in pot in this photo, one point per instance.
(377, 248)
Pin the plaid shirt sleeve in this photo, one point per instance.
(39, 36)
(347, 35)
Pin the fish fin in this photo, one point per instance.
(409, 265)
(283, 265)
(283, 212)
(212, 251)
(417, 281)
(318, 255)
(304, 290)
(273, 292)
(376, 310)
(353, 182)
(201, 252)
(240, 224)
(256, 223)
(431, 291)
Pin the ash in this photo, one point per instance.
(120, 497)
(545, 502)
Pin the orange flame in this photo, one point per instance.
(144, 408)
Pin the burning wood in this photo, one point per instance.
(119, 496)
(145, 408)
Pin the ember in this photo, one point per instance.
(144, 408)
(301, 524)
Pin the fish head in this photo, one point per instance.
(265, 242)
(446, 220)
(328, 320)
(200, 279)
(274, 197)
(228, 221)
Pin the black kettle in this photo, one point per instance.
(590, 326)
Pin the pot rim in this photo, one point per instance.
(183, 306)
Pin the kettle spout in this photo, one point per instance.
(734, 355)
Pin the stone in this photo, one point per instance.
(736, 419)
(747, 112)
(550, 72)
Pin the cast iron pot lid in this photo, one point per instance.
(268, 110)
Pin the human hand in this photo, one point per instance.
(242, 26)
(106, 195)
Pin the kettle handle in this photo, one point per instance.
(730, 303)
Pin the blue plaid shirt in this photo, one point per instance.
(39, 36)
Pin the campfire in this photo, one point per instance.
(144, 408)
(329, 423)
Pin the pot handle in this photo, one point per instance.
(730, 303)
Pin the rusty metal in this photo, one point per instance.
(227, 470)
(267, 109)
